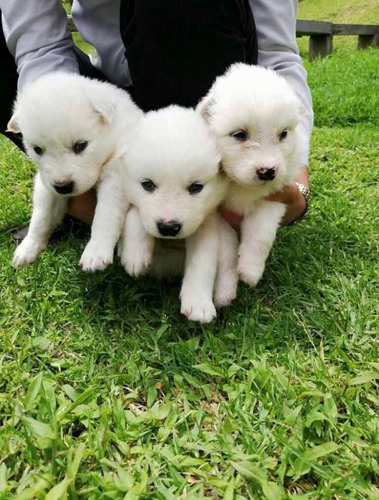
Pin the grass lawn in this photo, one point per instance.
(340, 11)
(107, 392)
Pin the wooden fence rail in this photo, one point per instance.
(321, 35)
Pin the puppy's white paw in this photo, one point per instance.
(27, 252)
(198, 308)
(225, 289)
(95, 258)
(136, 268)
(136, 261)
(250, 269)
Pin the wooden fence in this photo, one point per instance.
(321, 35)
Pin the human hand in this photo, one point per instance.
(289, 195)
(293, 198)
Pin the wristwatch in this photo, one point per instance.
(307, 196)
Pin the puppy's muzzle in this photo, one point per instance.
(64, 187)
(169, 228)
(266, 173)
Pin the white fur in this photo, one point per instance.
(261, 103)
(53, 113)
(174, 148)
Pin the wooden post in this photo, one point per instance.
(365, 41)
(320, 46)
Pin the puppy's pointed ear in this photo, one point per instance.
(104, 110)
(13, 124)
(205, 107)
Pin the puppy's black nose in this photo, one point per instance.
(64, 187)
(266, 173)
(170, 228)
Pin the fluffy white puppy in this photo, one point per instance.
(174, 183)
(255, 115)
(76, 131)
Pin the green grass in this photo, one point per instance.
(78, 40)
(343, 89)
(107, 392)
(340, 11)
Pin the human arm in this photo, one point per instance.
(36, 35)
(277, 49)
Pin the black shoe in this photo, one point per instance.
(69, 226)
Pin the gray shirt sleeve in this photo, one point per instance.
(37, 37)
(277, 49)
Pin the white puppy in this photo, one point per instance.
(255, 115)
(174, 183)
(76, 131)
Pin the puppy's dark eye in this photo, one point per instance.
(148, 185)
(38, 151)
(283, 135)
(195, 188)
(80, 146)
(239, 135)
